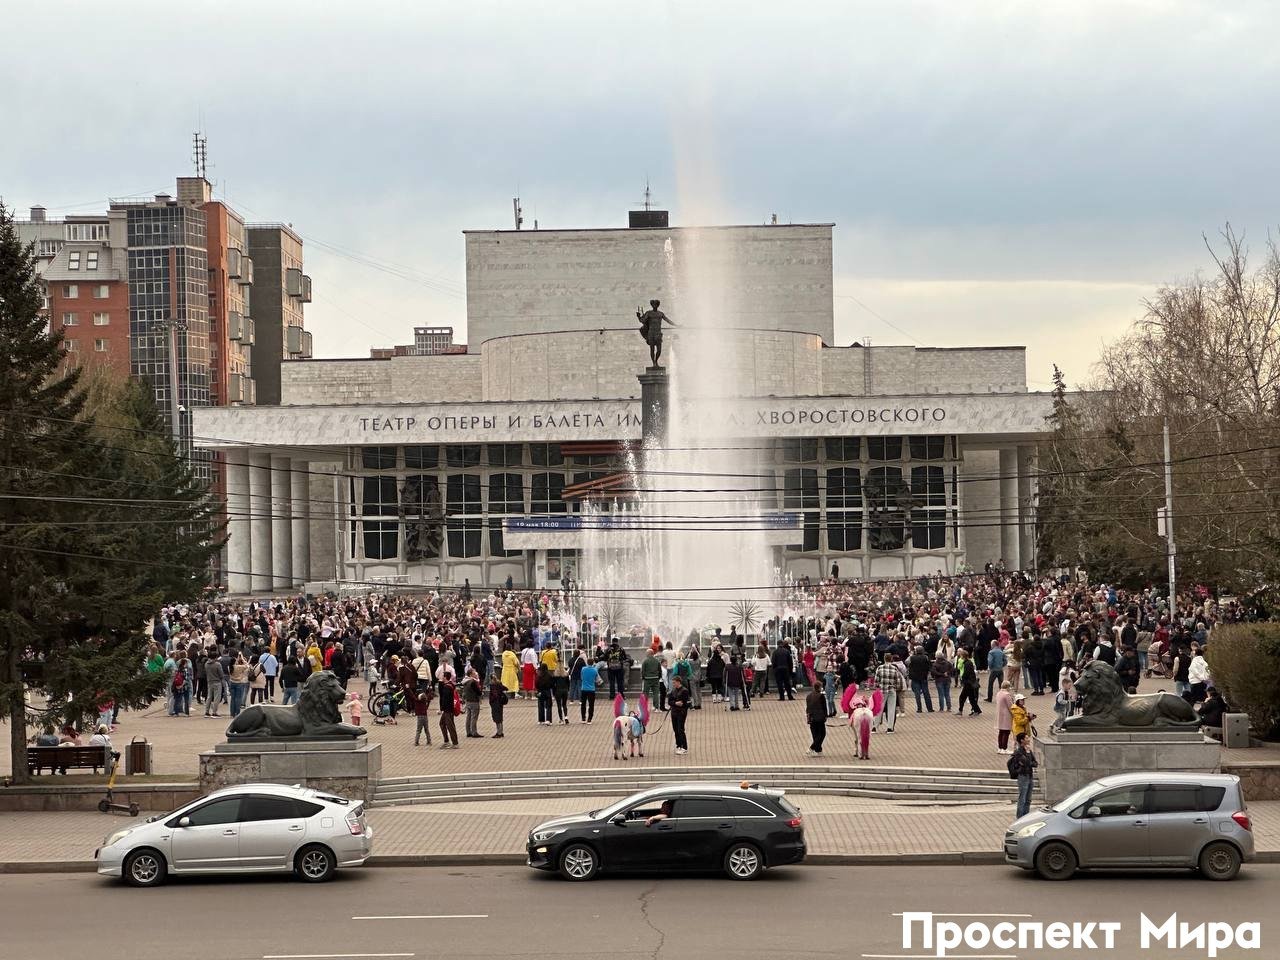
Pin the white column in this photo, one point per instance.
(300, 494)
(281, 525)
(1009, 533)
(239, 552)
(1026, 505)
(260, 525)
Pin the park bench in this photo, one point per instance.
(66, 757)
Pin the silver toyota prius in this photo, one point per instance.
(253, 828)
(1138, 820)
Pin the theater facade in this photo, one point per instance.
(896, 460)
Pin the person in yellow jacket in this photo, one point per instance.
(510, 671)
(317, 659)
(551, 658)
(1021, 717)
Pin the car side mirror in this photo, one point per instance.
(184, 822)
(1094, 811)
(618, 819)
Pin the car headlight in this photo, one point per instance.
(118, 835)
(542, 836)
(1031, 829)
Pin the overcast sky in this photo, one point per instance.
(998, 172)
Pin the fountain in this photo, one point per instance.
(690, 550)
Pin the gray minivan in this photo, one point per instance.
(1138, 820)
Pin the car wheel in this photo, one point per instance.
(1220, 861)
(144, 868)
(579, 862)
(315, 864)
(1056, 861)
(743, 862)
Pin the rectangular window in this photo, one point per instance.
(884, 448)
(72, 345)
(100, 291)
(885, 494)
(70, 319)
(73, 260)
(422, 512)
(546, 494)
(100, 346)
(928, 448)
(506, 496)
(463, 520)
(378, 458)
(70, 291)
(844, 508)
(800, 492)
(928, 508)
(506, 454)
(843, 449)
(799, 450)
(379, 498)
(463, 455)
(422, 457)
(101, 319)
(545, 455)
(91, 260)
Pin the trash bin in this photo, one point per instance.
(1235, 730)
(137, 756)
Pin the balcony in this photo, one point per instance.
(234, 265)
(293, 282)
(235, 388)
(246, 271)
(235, 325)
(298, 342)
(248, 332)
(306, 289)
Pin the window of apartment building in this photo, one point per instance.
(73, 260)
(70, 291)
(91, 260)
(44, 302)
(100, 346)
(71, 345)
(101, 319)
(101, 291)
(70, 319)
(50, 248)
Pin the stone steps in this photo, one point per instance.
(882, 783)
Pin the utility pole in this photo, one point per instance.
(1171, 549)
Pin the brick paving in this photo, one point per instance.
(834, 825)
(772, 733)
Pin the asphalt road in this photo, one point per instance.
(510, 912)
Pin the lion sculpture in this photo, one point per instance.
(1106, 704)
(314, 715)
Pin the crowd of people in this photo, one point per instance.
(933, 641)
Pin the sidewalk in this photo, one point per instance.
(838, 829)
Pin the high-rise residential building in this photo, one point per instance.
(231, 326)
(168, 274)
(280, 290)
(81, 261)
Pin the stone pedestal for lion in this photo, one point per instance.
(347, 768)
(1073, 758)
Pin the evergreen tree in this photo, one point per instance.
(100, 523)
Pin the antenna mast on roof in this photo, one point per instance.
(200, 154)
(515, 206)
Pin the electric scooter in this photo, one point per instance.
(107, 804)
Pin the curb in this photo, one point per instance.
(972, 858)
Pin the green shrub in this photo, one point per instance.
(1244, 660)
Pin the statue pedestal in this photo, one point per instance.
(348, 768)
(1072, 758)
(654, 405)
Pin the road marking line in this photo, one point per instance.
(945, 956)
(428, 916)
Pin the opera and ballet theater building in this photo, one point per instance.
(894, 461)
